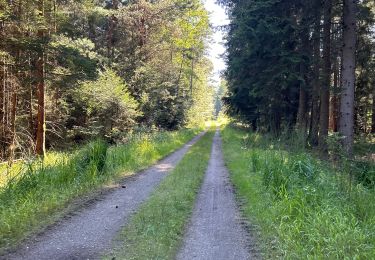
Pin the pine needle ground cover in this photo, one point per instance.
(156, 230)
(302, 207)
(41, 190)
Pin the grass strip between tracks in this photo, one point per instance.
(156, 230)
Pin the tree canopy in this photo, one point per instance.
(74, 70)
(286, 66)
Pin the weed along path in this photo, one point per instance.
(88, 233)
(215, 231)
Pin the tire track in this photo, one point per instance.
(215, 231)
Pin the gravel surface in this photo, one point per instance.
(215, 231)
(88, 233)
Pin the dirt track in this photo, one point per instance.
(88, 233)
(215, 231)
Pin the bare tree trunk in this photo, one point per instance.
(302, 104)
(334, 104)
(314, 125)
(325, 88)
(302, 108)
(31, 122)
(112, 23)
(2, 112)
(41, 124)
(6, 104)
(13, 125)
(373, 110)
(346, 126)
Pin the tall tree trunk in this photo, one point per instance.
(302, 108)
(112, 23)
(373, 110)
(2, 110)
(302, 104)
(31, 122)
(334, 104)
(14, 88)
(12, 131)
(325, 88)
(346, 126)
(6, 113)
(41, 117)
(314, 125)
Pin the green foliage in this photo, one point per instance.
(110, 109)
(263, 76)
(37, 192)
(164, 66)
(301, 206)
(219, 94)
(156, 230)
(151, 51)
(271, 60)
(93, 156)
(201, 109)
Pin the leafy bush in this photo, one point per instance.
(108, 108)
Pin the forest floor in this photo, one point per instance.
(87, 233)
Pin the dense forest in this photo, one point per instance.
(72, 71)
(115, 142)
(302, 64)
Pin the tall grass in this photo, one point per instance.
(302, 205)
(39, 191)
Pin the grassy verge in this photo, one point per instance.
(156, 230)
(301, 205)
(38, 192)
(9, 172)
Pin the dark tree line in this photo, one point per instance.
(306, 65)
(75, 70)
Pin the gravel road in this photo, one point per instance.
(215, 231)
(89, 232)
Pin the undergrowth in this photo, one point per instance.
(36, 192)
(156, 230)
(304, 207)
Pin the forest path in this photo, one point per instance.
(215, 231)
(88, 233)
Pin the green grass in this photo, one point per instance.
(303, 208)
(156, 230)
(43, 190)
(8, 172)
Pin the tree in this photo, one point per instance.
(39, 75)
(346, 126)
(326, 82)
(315, 106)
(52, 52)
(287, 67)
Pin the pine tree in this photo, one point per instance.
(346, 125)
